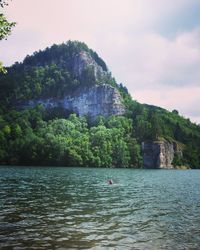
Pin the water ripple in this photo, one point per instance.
(75, 208)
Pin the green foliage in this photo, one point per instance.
(88, 76)
(178, 160)
(30, 140)
(2, 69)
(5, 27)
(175, 111)
(5, 30)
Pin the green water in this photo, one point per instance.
(75, 208)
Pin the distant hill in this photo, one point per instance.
(61, 106)
(54, 72)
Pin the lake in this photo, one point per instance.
(75, 208)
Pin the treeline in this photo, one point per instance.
(26, 139)
(41, 137)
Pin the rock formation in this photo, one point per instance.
(82, 62)
(93, 96)
(96, 100)
(159, 154)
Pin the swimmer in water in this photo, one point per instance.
(110, 182)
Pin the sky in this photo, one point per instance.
(151, 46)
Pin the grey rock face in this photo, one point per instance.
(83, 61)
(159, 154)
(97, 100)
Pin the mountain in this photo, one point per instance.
(69, 76)
(61, 106)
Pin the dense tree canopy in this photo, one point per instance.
(28, 139)
(5, 28)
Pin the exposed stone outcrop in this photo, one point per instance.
(159, 154)
(83, 61)
(97, 100)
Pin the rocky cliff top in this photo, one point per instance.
(82, 62)
(70, 76)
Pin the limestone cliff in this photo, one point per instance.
(159, 154)
(92, 93)
(97, 100)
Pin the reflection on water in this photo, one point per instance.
(75, 208)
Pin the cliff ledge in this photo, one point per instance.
(159, 154)
(96, 100)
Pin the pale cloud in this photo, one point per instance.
(150, 60)
(129, 35)
(160, 71)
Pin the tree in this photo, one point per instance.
(156, 130)
(100, 139)
(175, 112)
(3, 2)
(5, 28)
(178, 134)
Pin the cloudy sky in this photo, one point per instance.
(151, 46)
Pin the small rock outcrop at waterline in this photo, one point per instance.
(160, 154)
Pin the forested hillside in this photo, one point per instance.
(50, 73)
(39, 136)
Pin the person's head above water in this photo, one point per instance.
(110, 181)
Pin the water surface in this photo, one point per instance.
(75, 208)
